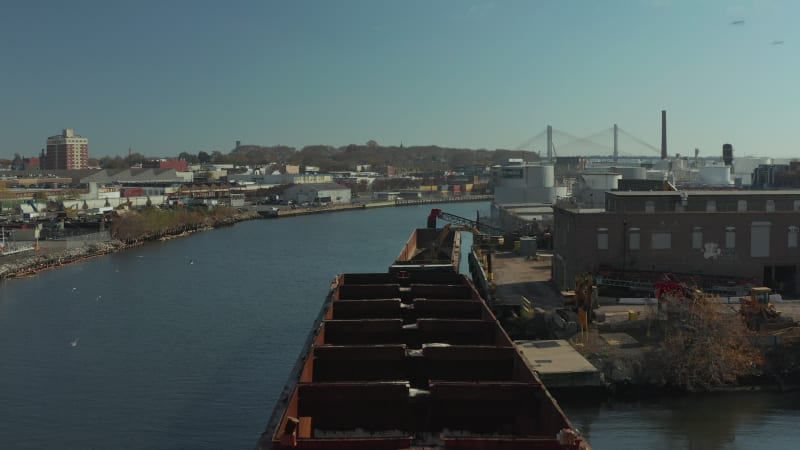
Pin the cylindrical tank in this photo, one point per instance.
(635, 173)
(727, 154)
(747, 164)
(602, 181)
(716, 175)
(540, 176)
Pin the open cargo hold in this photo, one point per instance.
(413, 359)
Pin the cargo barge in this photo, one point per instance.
(414, 359)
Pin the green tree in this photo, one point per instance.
(116, 162)
(134, 158)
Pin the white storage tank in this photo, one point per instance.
(716, 175)
(540, 176)
(632, 173)
(601, 181)
(744, 167)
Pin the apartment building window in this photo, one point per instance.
(741, 205)
(602, 238)
(697, 238)
(711, 206)
(649, 206)
(770, 206)
(759, 239)
(661, 240)
(633, 239)
(730, 237)
(793, 231)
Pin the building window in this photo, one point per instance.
(602, 238)
(770, 205)
(711, 206)
(661, 240)
(649, 206)
(759, 239)
(793, 232)
(730, 237)
(697, 238)
(741, 206)
(633, 239)
(797, 205)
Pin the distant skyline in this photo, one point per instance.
(162, 77)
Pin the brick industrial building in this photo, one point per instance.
(746, 234)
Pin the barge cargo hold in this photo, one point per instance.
(413, 359)
(436, 249)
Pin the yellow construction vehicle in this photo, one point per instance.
(759, 314)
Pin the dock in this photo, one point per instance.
(559, 365)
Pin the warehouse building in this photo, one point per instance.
(751, 235)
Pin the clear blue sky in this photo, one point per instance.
(166, 76)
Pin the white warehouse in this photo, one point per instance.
(318, 192)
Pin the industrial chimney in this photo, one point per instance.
(663, 134)
(727, 154)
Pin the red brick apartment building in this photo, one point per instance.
(66, 151)
(744, 234)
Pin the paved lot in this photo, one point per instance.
(515, 276)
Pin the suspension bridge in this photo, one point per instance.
(613, 140)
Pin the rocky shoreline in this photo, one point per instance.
(635, 372)
(43, 259)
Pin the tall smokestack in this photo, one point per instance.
(616, 150)
(663, 134)
(549, 143)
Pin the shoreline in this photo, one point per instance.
(27, 266)
(30, 265)
(269, 213)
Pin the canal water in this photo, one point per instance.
(187, 343)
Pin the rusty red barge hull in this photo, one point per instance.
(413, 359)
